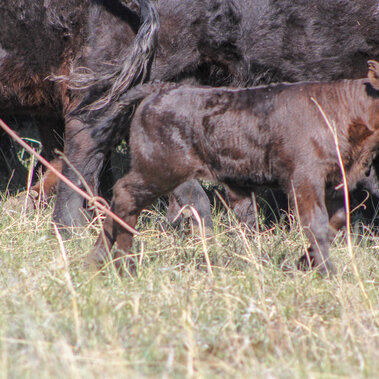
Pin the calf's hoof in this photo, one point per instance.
(97, 259)
(124, 264)
(100, 257)
(308, 262)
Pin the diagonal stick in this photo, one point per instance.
(96, 203)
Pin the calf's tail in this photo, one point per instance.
(105, 122)
(141, 91)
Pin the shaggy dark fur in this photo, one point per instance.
(247, 42)
(39, 39)
(258, 41)
(34, 42)
(218, 42)
(271, 136)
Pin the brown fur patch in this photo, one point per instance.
(358, 132)
(318, 149)
(307, 198)
(48, 183)
(28, 88)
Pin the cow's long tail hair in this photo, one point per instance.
(133, 70)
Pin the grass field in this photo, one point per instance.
(254, 315)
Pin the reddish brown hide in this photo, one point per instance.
(272, 136)
(217, 42)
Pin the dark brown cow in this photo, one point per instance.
(271, 136)
(39, 42)
(238, 43)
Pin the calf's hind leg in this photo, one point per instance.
(130, 195)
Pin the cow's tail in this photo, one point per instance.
(136, 65)
(133, 70)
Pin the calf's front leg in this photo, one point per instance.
(310, 200)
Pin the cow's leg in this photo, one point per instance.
(51, 131)
(309, 198)
(107, 179)
(193, 194)
(87, 158)
(337, 214)
(337, 222)
(131, 194)
(243, 208)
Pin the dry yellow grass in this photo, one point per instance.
(256, 316)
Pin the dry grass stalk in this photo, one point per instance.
(333, 130)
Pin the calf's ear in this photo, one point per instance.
(373, 74)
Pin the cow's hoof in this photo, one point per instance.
(307, 262)
(202, 232)
(124, 264)
(97, 259)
